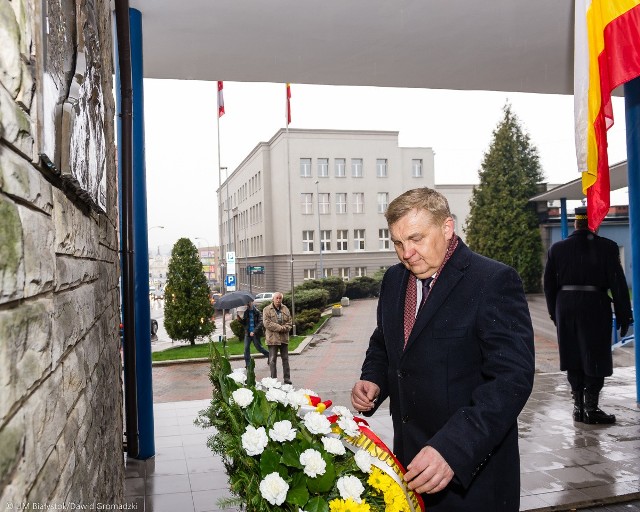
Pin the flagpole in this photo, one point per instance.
(293, 302)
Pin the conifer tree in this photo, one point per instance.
(502, 223)
(187, 310)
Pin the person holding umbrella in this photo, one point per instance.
(252, 322)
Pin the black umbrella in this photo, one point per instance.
(233, 300)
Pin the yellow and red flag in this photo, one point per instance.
(606, 55)
(288, 104)
(220, 100)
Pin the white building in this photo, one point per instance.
(269, 205)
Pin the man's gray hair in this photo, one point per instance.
(419, 199)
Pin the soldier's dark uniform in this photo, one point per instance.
(579, 273)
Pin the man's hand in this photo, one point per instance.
(428, 472)
(624, 329)
(364, 395)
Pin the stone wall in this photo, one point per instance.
(60, 368)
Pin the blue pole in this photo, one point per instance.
(632, 117)
(564, 229)
(141, 248)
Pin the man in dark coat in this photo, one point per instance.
(579, 272)
(455, 356)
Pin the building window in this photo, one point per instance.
(416, 168)
(344, 273)
(325, 240)
(324, 205)
(383, 237)
(342, 240)
(341, 202)
(328, 272)
(356, 167)
(307, 241)
(306, 204)
(360, 271)
(358, 239)
(358, 202)
(381, 167)
(340, 168)
(383, 202)
(323, 167)
(309, 273)
(305, 167)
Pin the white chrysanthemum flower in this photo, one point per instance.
(296, 399)
(349, 426)
(282, 431)
(342, 411)
(274, 489)
(363, 460)
(333, 446)
(314, 464)
(269, 382)
(350, 487)
(243, 397)
(276, 395)
(308, 392)
(287, 387)
(316, 423)
(238, 375)
(254, 440)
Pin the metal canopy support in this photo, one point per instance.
(632, 117)
(141, 249)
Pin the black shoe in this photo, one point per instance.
(593, 415)
(598, 417)
(288, 382)
(578, 406)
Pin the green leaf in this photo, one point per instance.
(323, 483)
(298, 495)
(317, 504)
(258, 411)
(291, 454)
(269, 462)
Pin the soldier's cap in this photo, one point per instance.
(581, 213)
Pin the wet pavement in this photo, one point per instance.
(564, 465)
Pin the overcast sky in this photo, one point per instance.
(182, 143)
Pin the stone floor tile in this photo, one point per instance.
(182, 502)
(167, 484)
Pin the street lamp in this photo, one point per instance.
(319, 231)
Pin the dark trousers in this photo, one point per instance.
(247, 347)
(580, 381)
(273, 360)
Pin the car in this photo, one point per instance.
(264, 297)
(154, 330)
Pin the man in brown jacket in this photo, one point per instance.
(276, 319)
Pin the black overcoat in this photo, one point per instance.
(583, 318)
(463, 378)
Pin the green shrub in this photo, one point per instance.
(307, 319)
(334, 285)
(362, 287)
(308, 299)
(237, 328)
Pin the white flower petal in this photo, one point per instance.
(333, 446)
(364, 461)
(254, 440)
(274, 489)
(282, 431)
(316, 423)
(350, 487)
(243, 397)
(314, 464)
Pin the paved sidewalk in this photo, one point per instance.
(564, 464)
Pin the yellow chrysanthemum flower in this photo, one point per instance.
(349, 505)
